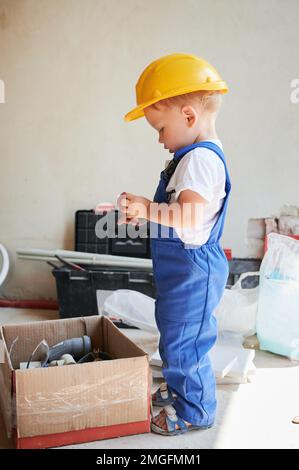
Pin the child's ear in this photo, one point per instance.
(190, 115)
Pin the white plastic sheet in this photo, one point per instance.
(238, 308)
(134, 308)
(236, 312)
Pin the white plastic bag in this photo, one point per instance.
(238, 307)
(278, 302)
(134, 308)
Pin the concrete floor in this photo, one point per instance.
(254, 415)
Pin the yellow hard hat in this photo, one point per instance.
(173, 75)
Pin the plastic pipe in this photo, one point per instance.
(147, 264)
(78, 254)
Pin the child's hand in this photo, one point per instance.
(132, 208)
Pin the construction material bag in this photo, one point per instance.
(278, 302)
(237, 309)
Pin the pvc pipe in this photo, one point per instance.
(79, 255)
(5, 264)
(95, 261)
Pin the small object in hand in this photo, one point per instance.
(295, 420)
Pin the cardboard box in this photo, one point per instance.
(56, 406)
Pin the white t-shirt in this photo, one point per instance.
(203, 171)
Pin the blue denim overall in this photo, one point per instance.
(189, 284)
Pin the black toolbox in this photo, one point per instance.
(76, 290)
(115, 243)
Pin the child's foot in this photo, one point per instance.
(168, 423)
(160, 421)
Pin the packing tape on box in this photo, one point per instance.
(93, 402)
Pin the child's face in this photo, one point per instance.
(172, 125)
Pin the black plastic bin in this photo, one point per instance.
(76, 290)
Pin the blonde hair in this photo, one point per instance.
(203, 100)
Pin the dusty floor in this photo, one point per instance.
(253, 415)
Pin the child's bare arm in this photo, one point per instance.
(187, 212)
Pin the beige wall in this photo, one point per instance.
(70, 67)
